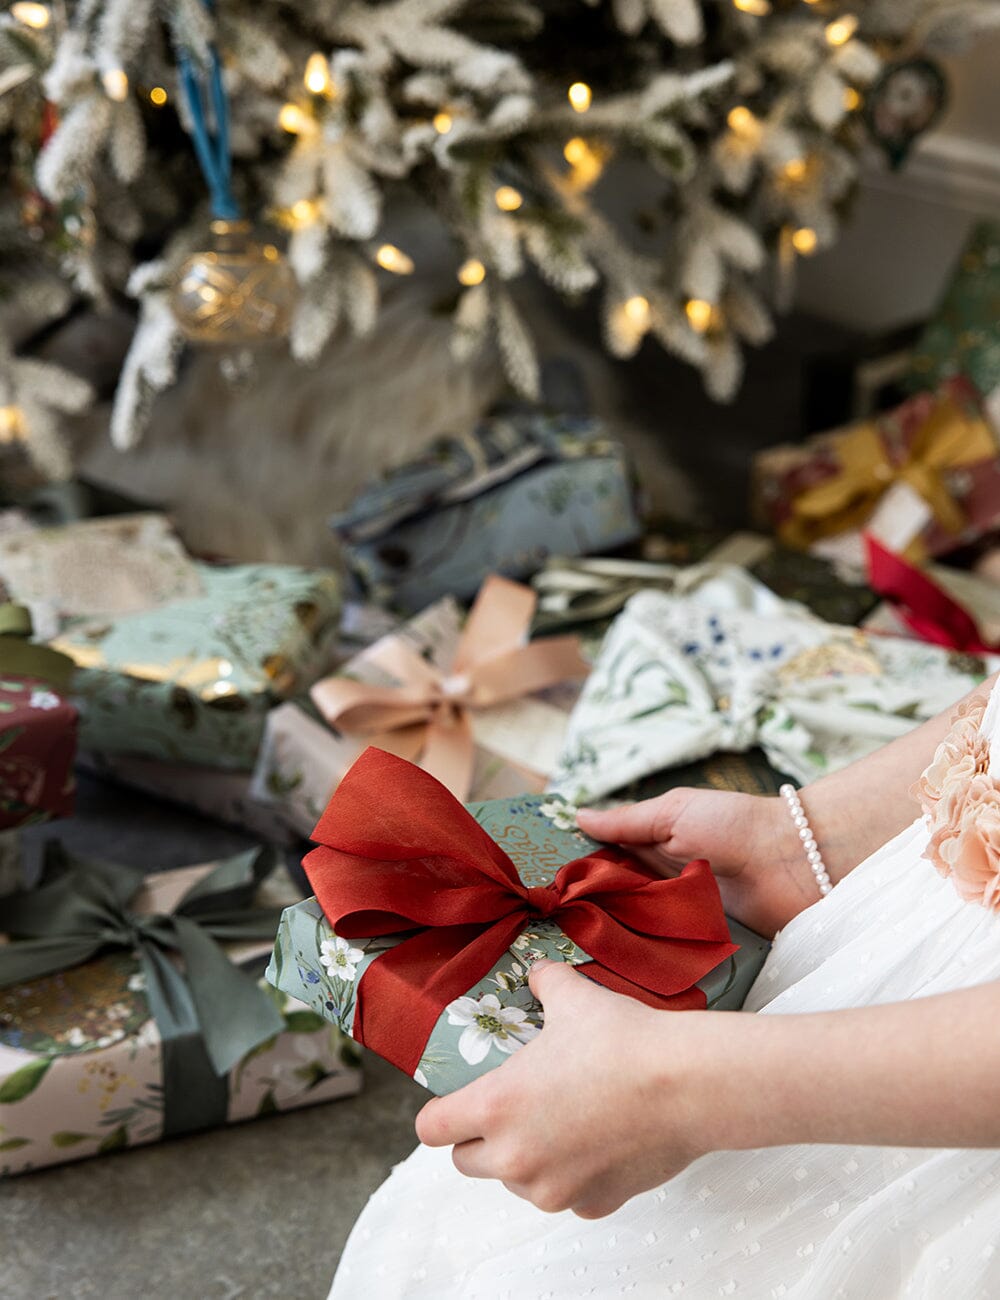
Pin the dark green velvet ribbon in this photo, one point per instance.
(210, 1013)
(22, 657)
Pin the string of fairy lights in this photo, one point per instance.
(586, 158)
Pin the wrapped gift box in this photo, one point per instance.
(963, 335)
(747, 773)
(184, 660)
(676, 681)
(210, 790)
(37, 746)
(516, 490)
(312, 963)
(578, 593)
(11, 862)
(924, 479)
(84, 1069)
(302, 759)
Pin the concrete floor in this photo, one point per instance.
(256, 1210)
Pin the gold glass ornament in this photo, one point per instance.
(239, 291)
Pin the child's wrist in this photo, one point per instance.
(713, 1073)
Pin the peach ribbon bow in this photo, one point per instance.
(427, 717)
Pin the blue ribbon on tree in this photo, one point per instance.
(209, 1013)
(206, 98)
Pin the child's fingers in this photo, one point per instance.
(460, 1117)
(631, 824)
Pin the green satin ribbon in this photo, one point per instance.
(210, 1013)
(22, 657)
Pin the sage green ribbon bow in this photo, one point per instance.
(22, 657)
(210, 1013)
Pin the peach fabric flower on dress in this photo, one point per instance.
(961, 755)
(962, 803)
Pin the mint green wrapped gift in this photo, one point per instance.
(193, 679)
(497, 1014)
(175, 659)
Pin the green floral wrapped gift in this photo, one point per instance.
(408, 994)
(123, 1020)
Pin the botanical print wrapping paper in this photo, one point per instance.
(499, 1013)
(301, 760)
(500, 501)
(192, 680)
(38, 731)
(676, 681)
(81, 1059)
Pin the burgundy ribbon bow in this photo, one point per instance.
(398, 853)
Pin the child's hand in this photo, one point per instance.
(749, 841)
(590, 1113)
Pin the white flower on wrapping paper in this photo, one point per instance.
(340, 959)
(44, 700)
(488, 1024)
(561, 815)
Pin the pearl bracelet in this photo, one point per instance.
(801, 822)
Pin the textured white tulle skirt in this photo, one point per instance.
(800, 1223)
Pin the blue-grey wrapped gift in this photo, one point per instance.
(520, 487)
(428, 916)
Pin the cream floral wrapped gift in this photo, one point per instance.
(404, 694)
(675, 681)
(124, 1047)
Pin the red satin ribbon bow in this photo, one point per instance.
(924, 606)
(398, 851)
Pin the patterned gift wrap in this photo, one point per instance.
(193, 680)
(676, 682)
(587, 593)
(83, 1069)
(516, 490)
(175, 660)
(498, 1014)
(302, 760)
(37, 746)
(963, 335)
(923, 478)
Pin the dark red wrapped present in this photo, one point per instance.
(37, 749)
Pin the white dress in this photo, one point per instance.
(800, 1222)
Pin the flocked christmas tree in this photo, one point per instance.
(511, 119)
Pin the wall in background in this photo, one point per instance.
(894, 256)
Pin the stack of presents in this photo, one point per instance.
(511, 640)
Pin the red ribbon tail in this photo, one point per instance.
(924, 606)
(692, 999)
